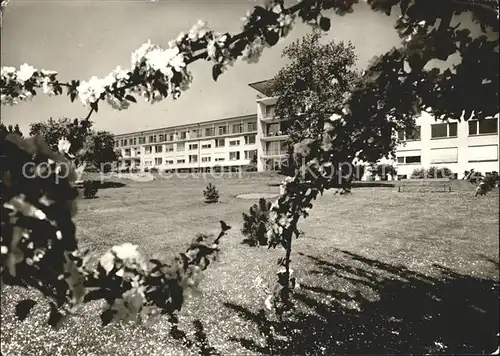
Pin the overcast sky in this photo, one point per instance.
(80, 39)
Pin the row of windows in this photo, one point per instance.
(233, 156)
(195, 133)
(443, 130)
(249, 140)
(443, 155)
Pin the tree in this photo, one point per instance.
(100, 150)
(395, 88)
(96, 148)
(312, 86)
(76, 131)
(10, 129)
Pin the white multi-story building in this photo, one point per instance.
(272, 143)
(228, 143)
(235, 142)
(459, 146)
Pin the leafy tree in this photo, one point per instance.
(310, 88)
(96, 148)
(395, 88)
(100, 150)
(76, 131)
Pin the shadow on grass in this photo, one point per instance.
(409, 313)
(200, 342)
(107, 184)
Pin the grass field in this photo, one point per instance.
(380, 272)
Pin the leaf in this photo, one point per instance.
(271, 37)
(216, 71)
(224, 226)
(56, 318)
(131, 98)
(324, 23)
(23, 308)
(95, 106)
(107, 316)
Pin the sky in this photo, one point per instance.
(80, 39)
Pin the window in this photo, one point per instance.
(158, 161)
(148, 163)
(117, 143)
(249, 140)
(234, 143)
(194, 133)
(444, 155)
(130, 142)
(273, 148)
(273, 129)
(250, 154)
(148, 150)
(150, 139)
(169, 148)
(183, 135)
(252, 126)
(209, 131)
(127, 152)
(220, 159)
(206, 146)
(135, 141)
(409, 135)
(483, 127)
(222, 130)
(237, 128)
(142, 140)
(169, 162)
(270, 111)
(158, 149)
(171, 137)
(193, 147)
(180, 147)
(193, 158)
(409, 157)
(234, 156)
(161, 138)
(444, 130)
(181, 161)
(205, 159)
(483, 153)
(219, 142)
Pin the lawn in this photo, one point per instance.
(380, 272)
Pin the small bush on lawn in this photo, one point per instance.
(255, 224)
(211, 194)
(154, 170)
(418, 173)
(438, 172)
(487, 183)
(90, 189)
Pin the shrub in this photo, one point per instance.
(358, 171)
(251, 167)
(438, 172)
(154, 170)
(90, 188)
(256, 224)
(383, 170)
(211, 194)
(418, 173)
(134, 170)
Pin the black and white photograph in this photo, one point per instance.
(249, 177)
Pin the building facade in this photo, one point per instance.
(459, 146)
(238, 141)
(228, 143)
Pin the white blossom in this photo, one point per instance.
(25, 72)
(198, 31)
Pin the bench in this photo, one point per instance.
(442, 183)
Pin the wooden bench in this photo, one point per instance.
(443, 183)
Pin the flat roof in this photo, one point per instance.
(262, 87)
(200, 123)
